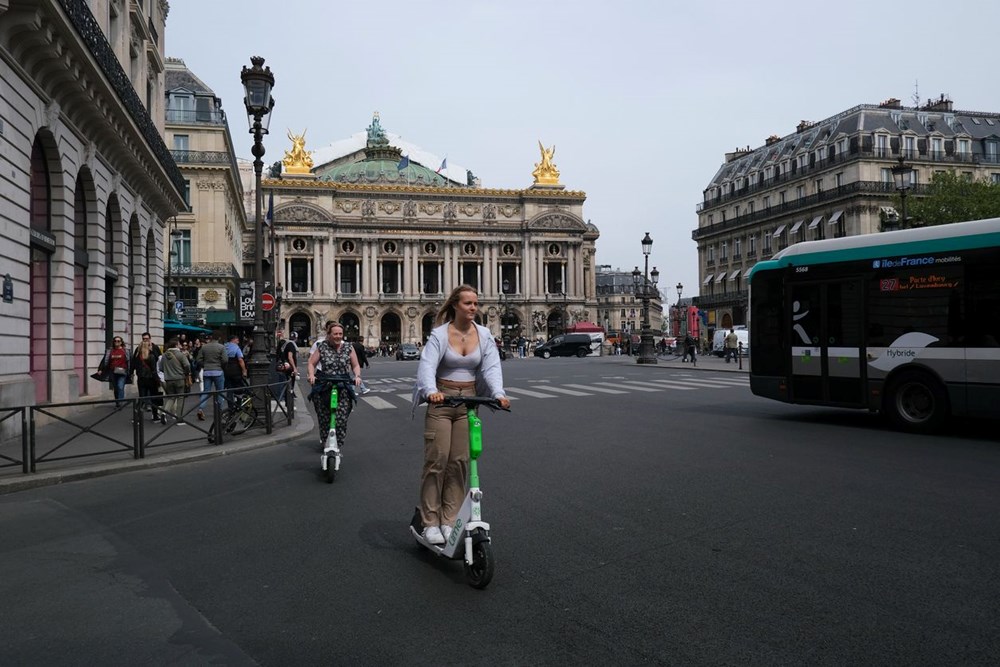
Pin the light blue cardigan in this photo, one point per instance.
(489, 375)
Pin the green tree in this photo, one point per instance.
(953, 198)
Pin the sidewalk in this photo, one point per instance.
(100, 442)
(709, 362)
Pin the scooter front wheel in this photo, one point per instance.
(480, 573)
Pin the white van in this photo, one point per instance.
(719, 340)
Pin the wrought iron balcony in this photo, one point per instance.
(204, 270)
(193, 117)
(200, 157)
(93, 37)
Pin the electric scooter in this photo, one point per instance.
(470, 536)
(331, 451)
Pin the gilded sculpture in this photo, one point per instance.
(545, 172)
(298, 160)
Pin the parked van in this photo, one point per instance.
(570, 345)
(719, 340)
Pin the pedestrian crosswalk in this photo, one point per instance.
(397, 392)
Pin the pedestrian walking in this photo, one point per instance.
(176, 379)
(212, 358)
(147, 381)
(114, 368)
(732, 343)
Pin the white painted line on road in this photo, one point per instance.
(637, 384)
(570, 392)
(620, 385)
(378, 403)
(528, 392)
(713, 384)
(593, 388)
(407, 396)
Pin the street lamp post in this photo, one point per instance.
(257, 84)
(680, 317)
(901, 175)
(504, 327)
(173, 237)
(647, 350)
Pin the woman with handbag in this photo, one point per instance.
(148, 382)
(117, 367)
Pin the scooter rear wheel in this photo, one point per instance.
(331, 473)
(480, 573)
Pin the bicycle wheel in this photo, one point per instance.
(243, 420)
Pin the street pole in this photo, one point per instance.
(647, 351)
(258, 82)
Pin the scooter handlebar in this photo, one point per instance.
(471, 402)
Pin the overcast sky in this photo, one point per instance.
(642, 99)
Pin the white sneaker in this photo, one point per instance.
(446, 531)
(433, 535)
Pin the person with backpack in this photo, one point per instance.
(147, 380)
(285, 366)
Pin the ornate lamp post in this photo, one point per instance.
(257, 84)
(647, 350)
(172, 252)
(901, 175)
(680, 318)
(504, 324)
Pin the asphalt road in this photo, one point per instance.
(680, 521)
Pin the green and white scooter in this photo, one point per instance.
(331, 451)
(470, 536)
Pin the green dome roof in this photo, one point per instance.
(382, 170)
(381, 165)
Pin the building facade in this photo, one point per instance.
(206, 242)
(827, 179)
(88, 184)
(618, 309)
(377, 241)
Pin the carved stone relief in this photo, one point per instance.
(430, 208)
(300, 214)
(368, 208)
(450, 211)
(469, 209)
(490, 212)
(410, 209)
(388, 207)
(347, 205)
(509, 210)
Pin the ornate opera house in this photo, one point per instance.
(374, 239)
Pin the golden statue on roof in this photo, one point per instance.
(545, 172)
(297, 160)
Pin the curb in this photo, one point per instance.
(301, 426)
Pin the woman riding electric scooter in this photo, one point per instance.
(460, 359)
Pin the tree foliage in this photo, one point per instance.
(954, 198)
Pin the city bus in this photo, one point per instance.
(906, 323)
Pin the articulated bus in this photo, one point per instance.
(906, 323)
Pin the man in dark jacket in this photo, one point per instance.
(359, 350)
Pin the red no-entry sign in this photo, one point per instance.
(267, 301)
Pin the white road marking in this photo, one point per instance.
(620, 385)
(593, 388)
(570, 392)
(378, 403)
(528, 392)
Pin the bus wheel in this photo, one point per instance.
(916, 402)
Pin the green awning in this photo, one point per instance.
(215, 318)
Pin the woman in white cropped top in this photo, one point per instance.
(460, 358)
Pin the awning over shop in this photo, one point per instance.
(796, 226)
(777, 232)
(708, 279)
(836, 217)
(719, 278)
(178, 327)
(735, 274)
(815, 222)
(214, 318)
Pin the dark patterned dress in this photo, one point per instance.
(334, 363)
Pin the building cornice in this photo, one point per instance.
(436, 192)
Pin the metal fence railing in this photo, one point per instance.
(100, 429)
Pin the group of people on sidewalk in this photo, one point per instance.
(164, 378)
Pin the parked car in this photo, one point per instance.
(569, 345)
(407, 351)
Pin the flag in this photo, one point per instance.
(404, 163)
(269, 218)
(444, 165)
